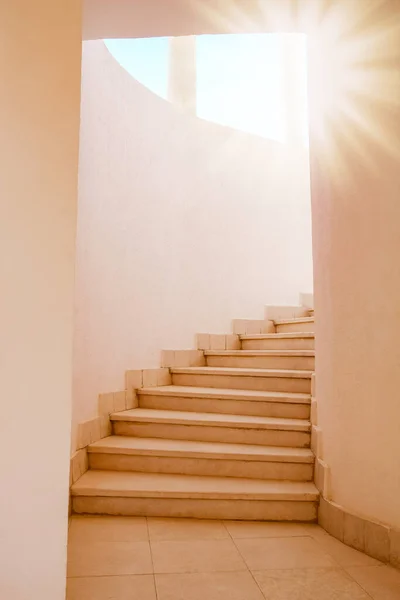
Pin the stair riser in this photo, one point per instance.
(279, 344)
(291, 327)
(246, 510)
(237, 382)
(207, 433)
(256, 408)
(305, 363)
(202, 466)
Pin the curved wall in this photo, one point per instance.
(356, 238)
(182, 226)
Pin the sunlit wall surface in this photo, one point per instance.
(241, 80)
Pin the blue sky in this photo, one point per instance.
(145, 59)
(238, 78)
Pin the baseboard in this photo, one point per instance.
(379, 541)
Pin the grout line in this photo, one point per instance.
(151, 556)
(358, 583)
(326, 551)
(339, 566)
(230, 571)
(242, 557)
(109, 576)
(161, 573)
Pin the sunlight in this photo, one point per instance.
(249, 82)
(243, 81)
(356, 91)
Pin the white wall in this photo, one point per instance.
(40, 53)
(183, 225)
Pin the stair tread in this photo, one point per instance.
(130, 484)
(215, 450)
(228, 394)
(282, 336)
(259, 353)
(243, 372)
(149, 415)
(294, 320)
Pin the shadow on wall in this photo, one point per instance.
(183, 225)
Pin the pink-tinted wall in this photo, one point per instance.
(39, 122)
(355, 124)
(182, 226)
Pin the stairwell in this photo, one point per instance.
(229, 439)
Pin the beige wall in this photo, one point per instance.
(183, 225)
(39, 118)
(356, 239)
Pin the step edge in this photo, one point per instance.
(227, 394)
(304, 425)
(308, 495)
(270, 496)
(306, 485)
(294, 321)
(262, 353)
(291, 458)
(243, 372)
(281, 336)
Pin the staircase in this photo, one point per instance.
(228, 440)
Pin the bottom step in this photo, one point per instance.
(156, 495)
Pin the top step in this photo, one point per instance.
(291, 325)
(279, 341)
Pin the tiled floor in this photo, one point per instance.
(122, 558)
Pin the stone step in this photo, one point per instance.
(162, 495)
(153, 455)
(268, 380)
(208, 427)
(262, 359)
(292, 325)
(278, 341)
(236, 402)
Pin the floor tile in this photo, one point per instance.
(283, 553)
(263, 529)
(382, 583)
(309, 584)
(133, 587)
(342, 554)
(109, 558)
(196, 556)
(108, 529)
(186, 529)
(208, 586)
